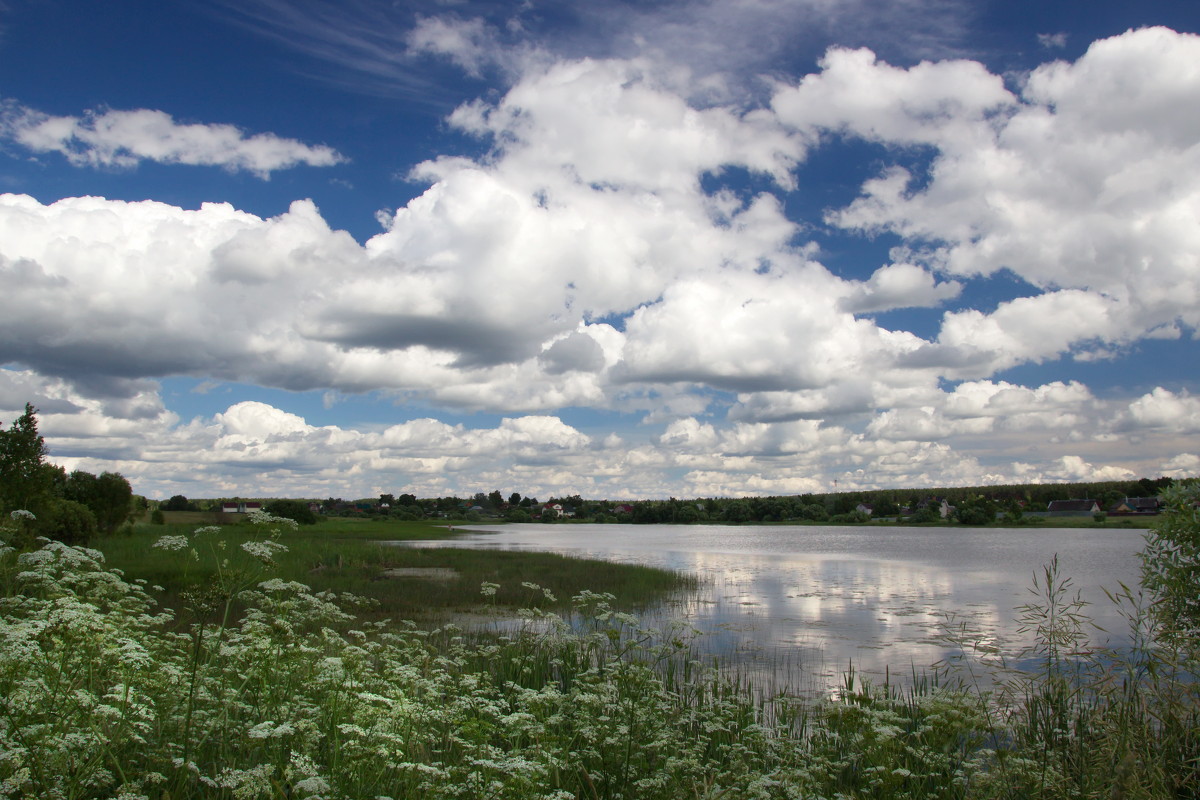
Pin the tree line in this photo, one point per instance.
(70, 507)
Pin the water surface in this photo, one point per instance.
(823, 599)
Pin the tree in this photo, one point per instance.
(178, 503)
(387, 500)
(66, 521)
(495, 498)
(514, 499)
(292, 509)
(24, 481)
(109, 496)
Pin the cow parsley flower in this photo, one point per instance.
(171, 543)
(265, 550)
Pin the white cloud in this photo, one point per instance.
(583, 262)
(113, 138)
(1177, 413)
(1085, 186)
(899, 286)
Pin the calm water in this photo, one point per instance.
(824, 598)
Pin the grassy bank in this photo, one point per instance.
(257, 686)
(355, 556)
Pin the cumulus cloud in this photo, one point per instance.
(899, 286)
(595, 257)
(116, 138)
(1084, 185)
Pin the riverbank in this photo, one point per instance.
(345, 555)
(106, 694)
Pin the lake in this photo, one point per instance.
(816, 600)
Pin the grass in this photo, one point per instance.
(355, 555)
(293, 695)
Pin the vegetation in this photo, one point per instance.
(259, 687)
(69, 508)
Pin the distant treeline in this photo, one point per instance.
(973, 503)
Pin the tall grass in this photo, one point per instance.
(260, 687)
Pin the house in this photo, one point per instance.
(239, 507)
(623, 508)
(553, 509)
(865, 508)
(1137, 505)
(1072, 508)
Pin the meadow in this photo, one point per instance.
(233, 663)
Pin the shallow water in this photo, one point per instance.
(819, 600)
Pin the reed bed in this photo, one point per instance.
(256, 686)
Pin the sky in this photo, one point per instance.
(299, 248)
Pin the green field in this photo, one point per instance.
(352, 555)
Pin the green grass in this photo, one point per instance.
(347, 555)
(103, 694)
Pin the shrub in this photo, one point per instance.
(296, 510)
(66, 521)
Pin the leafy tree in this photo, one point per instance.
(109, 497)
(178, 503)
(297, 510)
(25, 482)
(66, 521)
(514, 499)
(408, 500)
(975, 510)
(495, 498)
(387, 500)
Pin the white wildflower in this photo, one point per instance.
(21, 514)
(310, 786)
(171, 543)
(265, 550)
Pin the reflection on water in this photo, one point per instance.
(823, 599)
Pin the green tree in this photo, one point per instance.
(24, 480)
(66, 521)
(178, 503)
(297, 510)
(109, 496)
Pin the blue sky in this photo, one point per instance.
(623, 250)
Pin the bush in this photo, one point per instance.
(66, 521)
(296, 510)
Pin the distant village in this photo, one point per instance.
(971, 505)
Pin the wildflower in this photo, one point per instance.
(488, 589)
(21, 514)
(171, 543)
(265, 550)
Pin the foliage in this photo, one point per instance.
(109, 497)
(1171, 563)
(975, 510)
(66, 521)
(179, 503)
(297, 510)
(259, 687)
(24, 482)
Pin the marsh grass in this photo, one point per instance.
(356, 556)
(260, 687)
